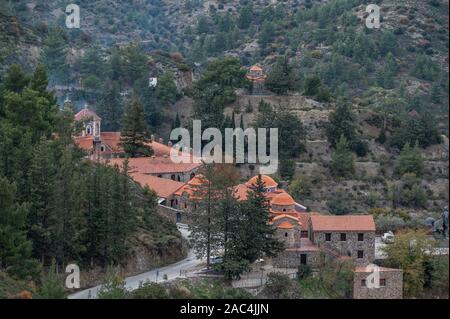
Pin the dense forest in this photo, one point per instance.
(57, 206)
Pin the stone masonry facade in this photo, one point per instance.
(360, 246)
(389, 287)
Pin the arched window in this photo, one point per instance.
(285, 234)
(172, 177)
(178, 178)
(88, 130)
(284, 209)
(102, 148)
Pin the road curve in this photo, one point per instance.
(172, 271)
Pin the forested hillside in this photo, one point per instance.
(57, 206)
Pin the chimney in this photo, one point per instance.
(169, 143)
(161, 140)
(152, 137)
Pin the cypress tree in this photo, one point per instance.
(135, 133)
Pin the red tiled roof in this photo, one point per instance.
(285, 225)
(154, 165)
(268, 181)
(86, 114)
(283, 199)
(163, 187)
(363, 223)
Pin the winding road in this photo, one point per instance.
(172, 271)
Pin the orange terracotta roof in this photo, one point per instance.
(163, 187)
(363, 223)
(283, 199)
(154, 165)
(256, 68)
(281, 216)
(190, 187)
(268, 181)
(285, 225)
(86, 114)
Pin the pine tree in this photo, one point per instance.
(281, 79)
(110, 109)
(134, 130)
(205, 231)
(15, 249)
(55, 52)
(342, 121)
(255, 238)
(411, 160)
(342, 162)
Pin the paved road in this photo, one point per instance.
(172, 271)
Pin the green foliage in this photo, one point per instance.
(409, 252)
(342, 161)
(280, 286)
(149, 290)
(113, 287)
(301, 187)
(281, 79)
(411, 161)
(51, 286)
(342, 122)
(167, 91)
(15, 252)
(419, 129)
(216, 88)
(425, 68)
(408, 192)
(55, 52)
(134, 134)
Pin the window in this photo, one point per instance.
(343, 236)
(304, 234)
(360, 254)
(178, 178)
(285, 234)
(363, 283)
(102, 148)
(172, 177)
(327, 237)
(361, 237)
(383, 282)
(160, 176)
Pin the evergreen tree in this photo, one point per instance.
(55, 53)
(280, 80)
(205, 231)
(110, 109)
(15, 249)
(342, 162)
(255, 238)
(134, 130)
(410, 160)
(342, 122)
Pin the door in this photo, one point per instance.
(303, 259)
(178, 217)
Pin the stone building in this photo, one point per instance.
(373, 282)
(351, 236)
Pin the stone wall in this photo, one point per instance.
(392, 290)
(175, 215)
(351, 246)
(292, 259)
